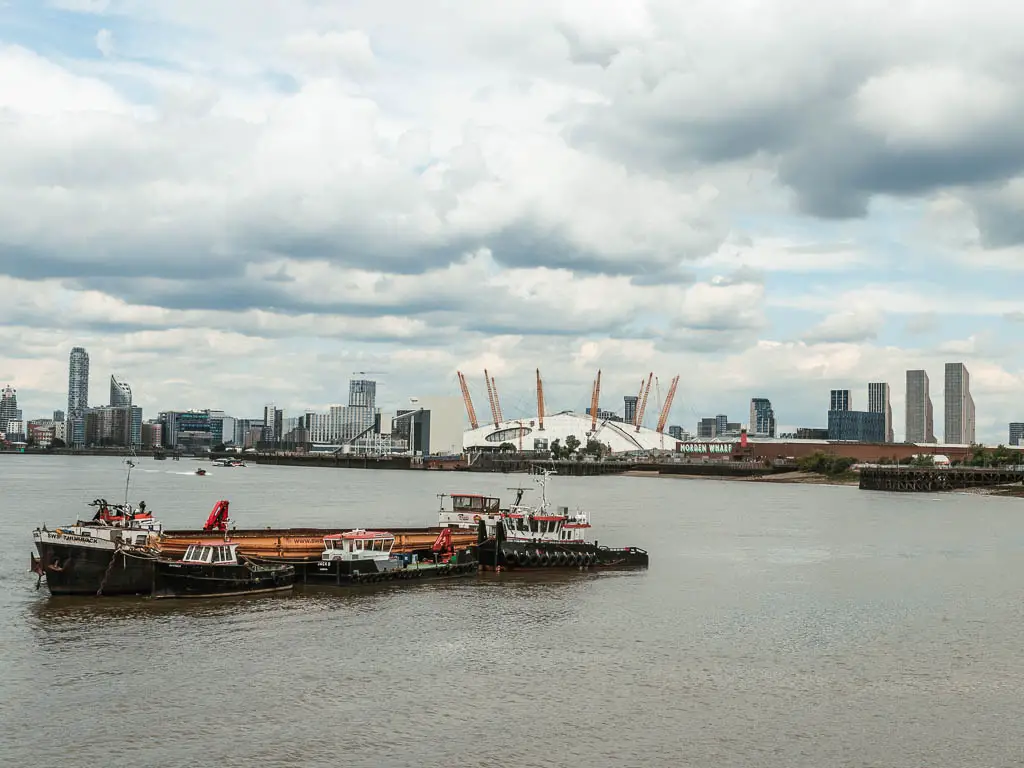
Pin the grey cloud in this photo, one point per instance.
(812, 133)
(705, 340)
(666, 277)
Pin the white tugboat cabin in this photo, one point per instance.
(216, 552)
(359, 545)
(468, 509)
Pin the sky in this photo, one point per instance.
(246, 201)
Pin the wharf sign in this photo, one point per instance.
(705, 448)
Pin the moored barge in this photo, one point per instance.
(361, 557)
(214, 568)
(525, 536)
(110, 554)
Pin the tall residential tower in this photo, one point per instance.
(78, 395)
(839, 400)
(120, 394)
(959, 406)
(878, 402)
(920, 416)
(762, 417)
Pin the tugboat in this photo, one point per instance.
(365, 557)
(213, 568)
(533, 537)
(110, 554)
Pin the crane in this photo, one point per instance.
(639, 397)
(663, 418)
(643, 403)
(491, 397)
(540, 402)
(594, 400)
(470, 411)
(497, 402)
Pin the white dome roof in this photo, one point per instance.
(620, 437)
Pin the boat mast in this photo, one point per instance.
(129, 464)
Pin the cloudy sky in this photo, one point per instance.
(230, 202)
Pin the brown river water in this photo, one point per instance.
(777, 626)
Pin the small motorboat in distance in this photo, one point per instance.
(200, 471)
(228, 463)
(213, 568)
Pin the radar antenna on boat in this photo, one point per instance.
(129, 462)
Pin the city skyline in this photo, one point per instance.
(363, 392)
(425, 193)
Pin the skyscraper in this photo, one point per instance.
(959, 405)
(120, 394)
(721, 424)
(840, 400)
(879, 402)
(78, 395)
(629, 409)
(1016, 433)
(10, 415)
(362, 394)
(762, 417)
(920, 417)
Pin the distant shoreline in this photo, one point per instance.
(794, 478)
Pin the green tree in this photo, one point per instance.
(556, 449)
(594, 448)
(58, 443)
(571, 444)
(823, 464)
(218, 448)
(507, 447)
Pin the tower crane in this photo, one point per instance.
(492, 397)
(594, 400)
(643, 402)
(540, 402)
(470, 411)
(663, 418)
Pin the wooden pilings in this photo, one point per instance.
(933, 479)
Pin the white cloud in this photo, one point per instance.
(634, 187)
(105, 42)
(846, 327)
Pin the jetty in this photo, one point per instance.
(935, 479)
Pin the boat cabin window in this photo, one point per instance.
(475, 504)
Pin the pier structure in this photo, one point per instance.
(932, 479)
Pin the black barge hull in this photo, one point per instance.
(512, 555)
(341, 573)
(71, 570)
(180, 580)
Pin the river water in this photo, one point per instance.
(777, 626)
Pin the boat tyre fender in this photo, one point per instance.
(521, 558)
(543, 558)
(533, 558)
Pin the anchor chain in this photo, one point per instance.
(113, 558)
